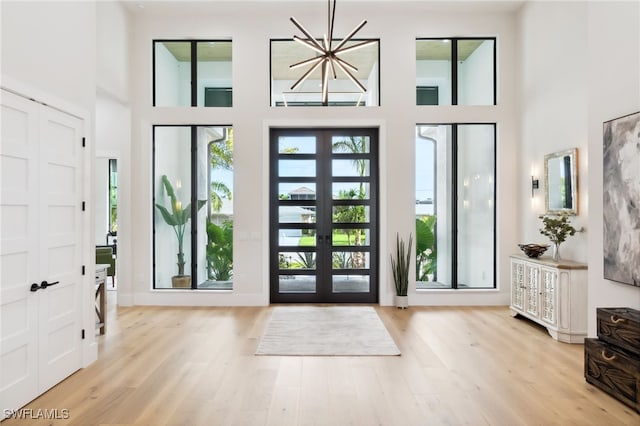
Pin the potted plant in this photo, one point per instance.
(557, 228)
(177, 218)
(400, 268)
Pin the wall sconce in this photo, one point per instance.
(535, 184)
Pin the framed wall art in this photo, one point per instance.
(621, 197)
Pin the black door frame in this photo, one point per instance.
(324, 205)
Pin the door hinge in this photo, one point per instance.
(83, 205)
(82, 269)
(83, 334)
(84, 142)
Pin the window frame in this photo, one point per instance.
(454, 205)
(194, 68)
(454, 67)
(193, 245)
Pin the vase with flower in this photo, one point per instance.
(557, 228)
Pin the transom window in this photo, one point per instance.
(470, 79)
(178, 63)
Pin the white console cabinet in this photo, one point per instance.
(553, 294)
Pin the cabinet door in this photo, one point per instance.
(532, 300)
(549, 295)
(517, 284)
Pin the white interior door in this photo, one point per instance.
(40, 241)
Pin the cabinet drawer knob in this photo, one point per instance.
(617, 320)
(608, 358)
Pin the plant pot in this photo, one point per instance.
(181, 281)
(402, 302)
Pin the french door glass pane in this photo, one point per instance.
(296, 214)
(297, 145)
(296, 283)
(476, 165)
(350, 237)
(351, 284)
(357, 167)
(351, 214)
(297, 260)
(350, 190)
(297, 190)
(297, 168)
(172, 73)
(173, 236)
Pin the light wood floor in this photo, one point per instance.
(459, 366)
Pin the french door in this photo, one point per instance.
(324, 215)
(40, 249)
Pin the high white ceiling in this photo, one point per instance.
(173, 7)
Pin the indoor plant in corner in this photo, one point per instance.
(400, 268)
(177, 218)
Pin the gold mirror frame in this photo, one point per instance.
(560, 194)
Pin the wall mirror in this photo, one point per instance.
(561, 182)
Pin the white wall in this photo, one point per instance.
(112, 40)
(250, 26)
(554, 110)
(113, 123)
(580, 71)
(613, 64)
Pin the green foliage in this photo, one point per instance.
(220, 250)
(306, 260)
(177, 218)
(426, 254)
(557, 227)
(401, 264)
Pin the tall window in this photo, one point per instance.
(193, 207)
(113, 196)
(178, 63)
(469, 79)
(455, 206)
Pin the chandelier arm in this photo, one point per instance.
(305, 75)
(333, 68)
(351, 77)
(310, 45)
(305, 32)
(305, 62)
(345, 63)
(325, 82)
(333, 18)
(354, 47)
(351, 34)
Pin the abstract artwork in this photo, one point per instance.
(621, 209)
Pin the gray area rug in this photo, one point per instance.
(326, 331)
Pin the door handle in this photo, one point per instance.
(44, 284)
(324, 239)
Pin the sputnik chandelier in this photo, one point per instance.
(328, 58)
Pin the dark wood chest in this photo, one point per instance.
(612, 361)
